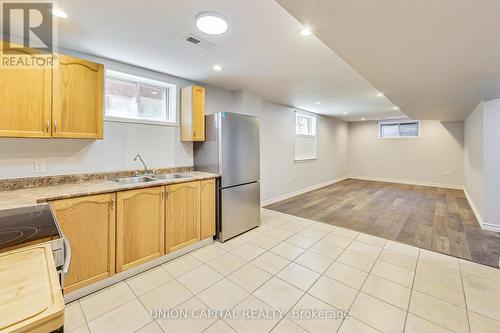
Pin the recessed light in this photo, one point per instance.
(154, 93)
(217, 68)
(380, 95)
(318, 103)
(395, 108)
(306, 32)
(363, 119)
(59, 13)
(211, 23)
(345, 112)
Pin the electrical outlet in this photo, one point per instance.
(40, 166)
(446, 173)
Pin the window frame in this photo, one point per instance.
(399, 123)
(313, 136)
(142, 81)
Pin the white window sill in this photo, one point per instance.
(140, 121)
(399, 137)
(305, 160)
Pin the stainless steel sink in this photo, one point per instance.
(171, 176)
(134, 180)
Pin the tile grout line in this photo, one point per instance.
(465, 297)
(290, 261)
(361, 287)
(411, 291)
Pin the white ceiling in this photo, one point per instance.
(262, 52)
(436, 59)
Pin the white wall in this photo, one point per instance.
(439, 150)
(491, 160)
(280, 174)
(160, 146)
(473, 158)
(482, 162)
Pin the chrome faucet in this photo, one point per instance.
(142, 161)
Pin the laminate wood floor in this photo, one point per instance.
(434, 218)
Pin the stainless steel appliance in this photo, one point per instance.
(26, 226)
(231, 149)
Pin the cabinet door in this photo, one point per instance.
(198, 113)
(25, 102)
(182, 215)
(77, 99)
(89, 225)
(207, 208)
(139, 227)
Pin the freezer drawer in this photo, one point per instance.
(240, 210)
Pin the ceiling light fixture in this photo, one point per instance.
(211, 23)
(345, 112)
(363, 119)
(217, 68)
(380, 94)
(395, 108)
(318, 103)
(59, 13)
(306, 32)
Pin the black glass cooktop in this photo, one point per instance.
(27, 225)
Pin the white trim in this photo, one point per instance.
(484, 226)
(490, 227)
(139, 121)
(474, 208)
(305, 160)
(171, 101)
(133, 271)
(409, 182)
(304, 190)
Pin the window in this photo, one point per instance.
(136, 99)
(305, 137)
(399, 129)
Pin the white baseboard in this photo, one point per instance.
(304, 190)
(490, 227)
(474, 209)
(409, 182)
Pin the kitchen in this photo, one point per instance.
(199, 174)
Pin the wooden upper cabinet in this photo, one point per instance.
(140, 226)
(25, 102)
(182, 208)
(78, 88)
(89, 225)
(193, 113)
(207, 189)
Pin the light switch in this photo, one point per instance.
(40, 166)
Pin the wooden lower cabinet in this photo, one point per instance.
(207, 189)
(140, 227)
(89, 225)
(182, 207)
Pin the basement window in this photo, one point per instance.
(399, 129)
(305, 137)
(136, 99)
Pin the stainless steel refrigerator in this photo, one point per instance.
(231, 149)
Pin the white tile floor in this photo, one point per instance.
(295, 265)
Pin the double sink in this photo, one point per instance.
(149, 178)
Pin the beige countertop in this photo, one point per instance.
(37, 195)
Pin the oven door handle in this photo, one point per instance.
(67, 255)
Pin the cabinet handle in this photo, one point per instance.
(48, 126)
(112, 203)
(194, 134)
(55, 125)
